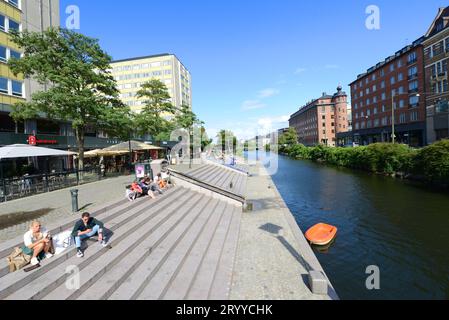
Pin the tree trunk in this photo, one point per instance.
(80, 144)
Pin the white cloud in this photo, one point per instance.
(267, 93)
(253, 105)
(300, 70)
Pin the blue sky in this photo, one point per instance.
(254, 63)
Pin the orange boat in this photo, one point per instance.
(321, 234)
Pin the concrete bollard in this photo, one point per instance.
(74, 193)
(318, 283)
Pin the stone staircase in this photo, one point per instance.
(180, 246)
(222, 177)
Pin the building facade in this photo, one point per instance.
(436, 57)
(132, 73)
(36, 16)
(387, 92)
(321, 120)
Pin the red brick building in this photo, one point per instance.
(319, 121)
(393, 84)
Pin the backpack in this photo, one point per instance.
(17, 260)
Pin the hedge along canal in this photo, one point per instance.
(397, 226)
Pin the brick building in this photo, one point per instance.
(319, 121)
(389, 91)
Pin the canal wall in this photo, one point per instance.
(273, 259)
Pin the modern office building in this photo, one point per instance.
(321, 120)
(389, 91)
(36, 16)
(436, 57)
(132, 73)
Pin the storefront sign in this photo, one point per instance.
(33, 141)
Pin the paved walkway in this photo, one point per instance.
(273, 258)
(57, 205)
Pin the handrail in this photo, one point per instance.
(207, 186)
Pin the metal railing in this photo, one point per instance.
(29, 185)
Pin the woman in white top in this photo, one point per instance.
(37, 243)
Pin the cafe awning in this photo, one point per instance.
(135, 146)
(27, 151)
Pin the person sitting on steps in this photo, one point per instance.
(86, 228)
(38, 243)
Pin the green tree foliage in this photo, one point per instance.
(288, 140)
(433, 162)
(79, 86)
(157, 104)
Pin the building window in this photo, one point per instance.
(392, 80)
(15, 54)
(400, 77)
(15, 3)
(382, 84)
(414, 116)
(401, 104)
(3, 54)
(383, 108)
(399, 63)
(382, 72)
(374, 88)
(4, 85)
(412, 57)
(402, 118)
(2, 23)
(412, 72)
(414, 100)
(413, 86)
(17, 88)
(384, 96)
(13, 25)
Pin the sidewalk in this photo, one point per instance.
(273, 258)
(53, 206)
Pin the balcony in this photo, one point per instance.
(412, 61)
(413, 76)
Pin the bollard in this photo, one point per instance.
(74, 193)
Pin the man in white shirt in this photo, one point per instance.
(37, 243)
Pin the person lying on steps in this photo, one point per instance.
(37, 243)
(86, 228)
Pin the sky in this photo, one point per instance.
(254, 63)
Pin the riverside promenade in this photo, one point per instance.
(194, 242)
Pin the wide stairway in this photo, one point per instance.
(221, 177)
(180, 246)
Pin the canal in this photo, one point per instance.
(399, 227)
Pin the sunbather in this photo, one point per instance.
(86, 228)
(37, 243)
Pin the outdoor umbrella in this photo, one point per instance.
(27, 151)
(135, 145)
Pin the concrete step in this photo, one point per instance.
(179, 285)
(157, 285)
(205, 175)
(200, 171)
(218, 179)
(42, 280)
(129, 250)
(221, 285)
(200, 287)
(139, 279)
(197, 170)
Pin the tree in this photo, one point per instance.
(156, 105)
(290, 138)
(75, 71)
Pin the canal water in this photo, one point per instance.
(401, 228)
